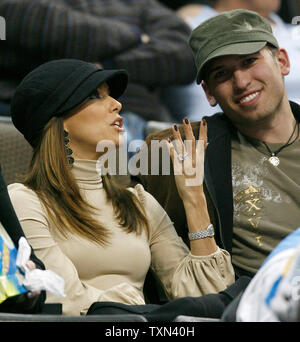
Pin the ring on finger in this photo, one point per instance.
(182, 157)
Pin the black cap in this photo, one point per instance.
(56, 87)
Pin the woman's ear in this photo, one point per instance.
(212, 101)
(284, 61)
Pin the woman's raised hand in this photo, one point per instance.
(188, 160)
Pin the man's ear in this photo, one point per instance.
(212, 101)
(284, 61)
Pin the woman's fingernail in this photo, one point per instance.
(186, 120)
(204, 122)
(175, 127)
(169, 140)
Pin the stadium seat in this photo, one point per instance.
(15, 152)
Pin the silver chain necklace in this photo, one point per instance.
(274, 160)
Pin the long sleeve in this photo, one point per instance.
(10, 222)
(181, 273)
(116, 272)
(79, 293)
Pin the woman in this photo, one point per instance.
(30, 302)
(101, 237)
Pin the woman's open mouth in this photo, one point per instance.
(118, 125)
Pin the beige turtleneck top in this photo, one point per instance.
(117, 272)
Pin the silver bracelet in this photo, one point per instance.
(208, 232)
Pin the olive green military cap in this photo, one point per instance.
(236, 32)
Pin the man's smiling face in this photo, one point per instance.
(249, 88)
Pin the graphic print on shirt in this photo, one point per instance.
(250, 193)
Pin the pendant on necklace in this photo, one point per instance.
(274, 160)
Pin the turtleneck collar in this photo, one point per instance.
(87, 174)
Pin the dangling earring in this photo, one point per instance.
(69, 152)
(212, 102)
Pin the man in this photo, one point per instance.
(253, 154)
(187, 99)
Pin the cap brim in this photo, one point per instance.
(232, 49)
(117, 81)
